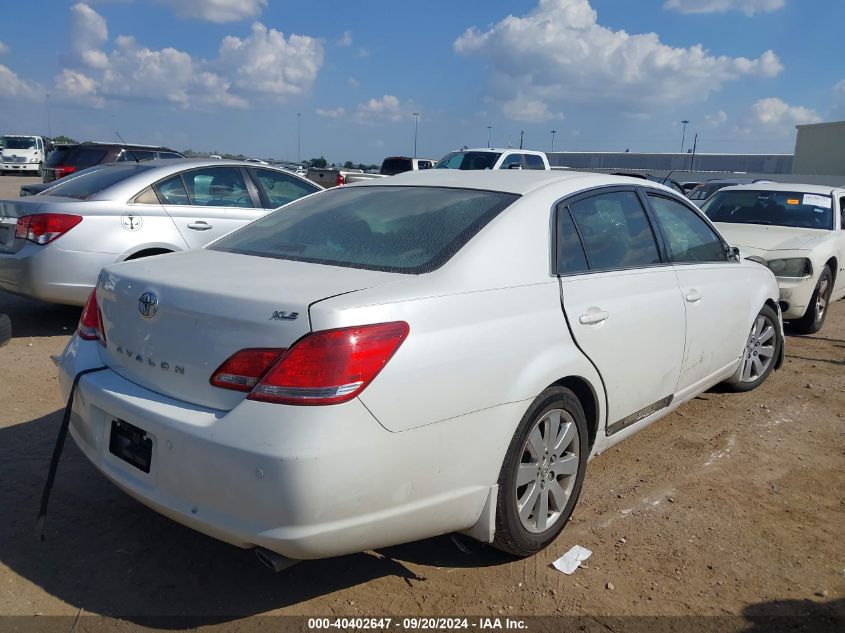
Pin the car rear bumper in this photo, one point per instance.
(305, 482)
(52, 274)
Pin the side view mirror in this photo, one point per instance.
(733, 253)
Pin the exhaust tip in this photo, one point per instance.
(274, 561)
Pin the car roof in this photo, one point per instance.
(785, 186)
(123, 145)
(497, 150)
(517, 181)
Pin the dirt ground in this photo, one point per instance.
(734, 505)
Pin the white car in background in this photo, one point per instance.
(481, 158)
(799, 231)
(432, 352)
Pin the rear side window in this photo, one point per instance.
(615, 231)
(86, 185)
(534, 162)
(172, 191)
(689, 237)
(169, 155)
(217, 187)
(570, 252)
(395, 229)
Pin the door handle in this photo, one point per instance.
(199, 225)
(694, 296)
(591, 318)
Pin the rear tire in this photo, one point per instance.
(816, 313)
(542, 474)
(761, 352)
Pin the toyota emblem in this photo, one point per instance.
(148, 305)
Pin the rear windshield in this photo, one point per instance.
(57, 156)
(86, 185)
(468, 160)
(393, 166)
(395, 229)
(780, 208)
(79, 157)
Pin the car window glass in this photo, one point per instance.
(172, 191)
(512, 160)
(533, 162)
(570, 251)
(217, 187)
(615, 231)
(689, 237)
(84, 186)
(390, 228)
(282, 188)
(169, 155)
(136, 155)
(794, 209)
(842, 212)
(147, 196)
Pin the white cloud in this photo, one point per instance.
(353, 82)
(776, 112)
(3, 48)
(346, 39)
(13, 87)
(218, 11)
(717, 119)
(387, 109)
(749, 7)
(268, 63)
(559, 53)
(529, 110)
(336, 113)
(265, 64)
(840, 88)
(363, 53)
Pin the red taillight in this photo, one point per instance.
(340, 180)
(325, 367)
(242, 370)
(91, 322)
(63, 170)
(43, 228)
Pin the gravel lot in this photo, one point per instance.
(734, 505)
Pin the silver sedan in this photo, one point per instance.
(52, 246)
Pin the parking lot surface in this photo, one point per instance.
(733, 505)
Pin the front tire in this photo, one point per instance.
(762, 349)
(816, 313)
(542, 474)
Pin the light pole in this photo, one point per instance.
(553, 139)
(416, 129)
(299, 137)
(489, 130)
(684, 135)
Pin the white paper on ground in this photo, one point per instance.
(570, 561)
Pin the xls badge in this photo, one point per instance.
(281, 315)
(131, 222)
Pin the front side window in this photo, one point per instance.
(282, 188)
(217, 187)
(468, 160)
(779, 208)
(615, 231)
(689, 237)
(390, 228)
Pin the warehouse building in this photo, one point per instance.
(820, 149)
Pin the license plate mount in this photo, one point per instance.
(131, 444)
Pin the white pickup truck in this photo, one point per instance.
(24, 153)
(489, 158)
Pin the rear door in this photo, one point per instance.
(209, 202)
(621, 300)
(713, 288)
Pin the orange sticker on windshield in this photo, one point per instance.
(793, 201)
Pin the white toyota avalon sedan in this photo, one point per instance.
(435, 352)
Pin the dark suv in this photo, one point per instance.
(67, 159)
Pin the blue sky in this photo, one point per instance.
(232, 75)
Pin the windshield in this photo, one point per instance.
(702, 192)
(86, 185)
(468, 160)
(779, 208)
(19, 142)
(395, 229)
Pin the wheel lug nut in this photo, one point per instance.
(551, 476)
